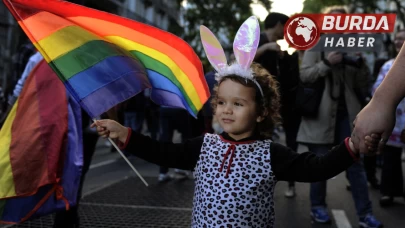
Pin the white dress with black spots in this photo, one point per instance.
(241, 198)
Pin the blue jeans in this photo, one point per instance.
(355, 174)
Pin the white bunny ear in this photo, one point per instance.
(246, 42)
(213, 49)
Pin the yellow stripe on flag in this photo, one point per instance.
(64, 41)
(6, 174)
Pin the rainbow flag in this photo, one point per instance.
(40, 149)
(104, 59)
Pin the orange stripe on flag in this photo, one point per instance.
(44, 24)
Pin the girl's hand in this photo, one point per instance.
(371, 142)
(110, 128)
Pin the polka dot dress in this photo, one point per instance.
(234, 184)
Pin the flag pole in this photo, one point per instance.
(125, 158)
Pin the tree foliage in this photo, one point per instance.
(316, 6)
(366, 6)
(223, 18)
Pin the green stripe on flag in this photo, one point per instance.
(155, 65)
(84, 57)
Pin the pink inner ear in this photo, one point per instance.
(213, 49)
(246, 42)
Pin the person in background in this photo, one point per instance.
(391, 176)
(171, 119)
(151, 115)
(134, 112)
(285, 69)
(32, 62)
(19, 62)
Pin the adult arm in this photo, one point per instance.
(380, 111)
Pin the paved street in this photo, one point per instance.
(115, 198)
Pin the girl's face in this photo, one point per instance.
(236, 109)
(399, 40)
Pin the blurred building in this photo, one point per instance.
(164, 14)
(8, 33)
(159, 13)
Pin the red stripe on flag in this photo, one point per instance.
(38, 131)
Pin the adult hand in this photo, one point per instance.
(375, 118)
(334, 57)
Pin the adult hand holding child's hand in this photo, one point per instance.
(112, 129)
(371, 142)
(374, 118)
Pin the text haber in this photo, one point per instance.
(351, 42)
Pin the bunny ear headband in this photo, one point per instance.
(244, 48)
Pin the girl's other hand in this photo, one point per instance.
(372, 142)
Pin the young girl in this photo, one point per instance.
(236, 172)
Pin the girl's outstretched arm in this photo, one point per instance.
(308, 167)
(173, 155)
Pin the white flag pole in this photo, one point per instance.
(126, 159)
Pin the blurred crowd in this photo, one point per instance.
(347, 83)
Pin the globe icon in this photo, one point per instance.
(301, 33)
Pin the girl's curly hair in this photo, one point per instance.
(268, 105)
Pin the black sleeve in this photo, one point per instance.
(288, 165)
(173, 155)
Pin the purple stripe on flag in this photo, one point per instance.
(114, 93)
(166, 98)
(166, 93)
